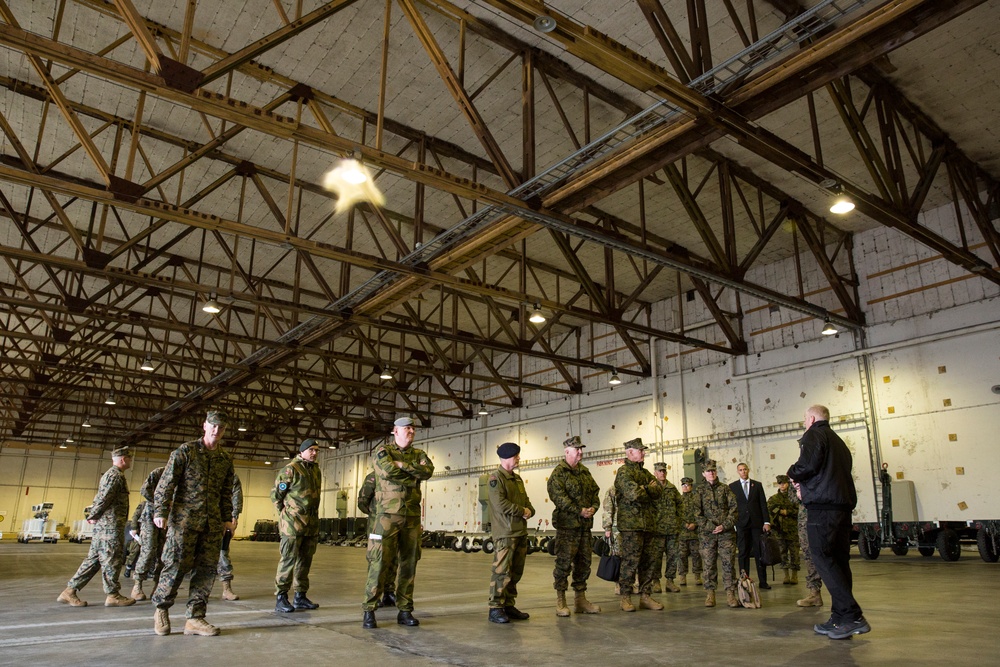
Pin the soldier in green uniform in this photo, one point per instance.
(150, 561)
(366, 504)
(133, 545)
(296, 496)
(715, 511)
(194, 502)
(225, 564)
(510, 510)
(689, 545)
(399, 469)
(666, 528)
(784, 521)
(637, 492)
(108, 514)
(814, 584)
(574, 495)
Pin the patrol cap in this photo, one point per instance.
(217, 417)
(660, 465)
(508, 450)
(573, 442)
(635, 443)
(686, 480)
(710, 465)
(121, 451)
(307, 443)
(403, 421)
(782, 479)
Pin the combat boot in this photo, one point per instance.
(671, 587)
(227, 591)
(116, 600)
(646, 601)
(698, 581)
(682, 580)
(161, 622)
(795, 577)
(137, 592)
(814, 599)
(300, 601)
(201, 627)
(585, 606)
(710, 599)
(626, 603)
(69, 597)
(788, 577)
(731, 599)
(561, 609)
(282, 604)
(656, 586)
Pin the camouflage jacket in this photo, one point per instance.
(508, 500)
(715, 505)
(237, 496)
(571, 490)
(397, 490)
(788, 524)
(148, 489)
(669, 511)
(136, 522)
(367, 494)
(195, 490)
(296, 496)
(110, 506)
(637, 492)
(688, 515)
(610, 520)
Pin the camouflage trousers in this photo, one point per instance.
(789, 550)
(150, 561)
(639, 552)
(688, 548)
(132, 552)
(296, 559)
(107, 550)
(671, 545)
(813, 580)
(225, 570)
(388, 581)
(508, 566)
(393, 537)
(573, 555)
(194, 551)
(718, 551)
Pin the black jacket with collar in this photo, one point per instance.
(824, 470)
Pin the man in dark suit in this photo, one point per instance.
(751, 503)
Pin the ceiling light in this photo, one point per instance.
(482, 409)
(615, 380)
(842, 205)
(828, 328)
(352, 183)
(212, 306)
(267, 463)
(70, 440)
(62, 446)
(147, 363)
(385, 374)
(86, 422)
(242, 428)
(110, 400)
(544, 24)
(536, 315)
(298, 407)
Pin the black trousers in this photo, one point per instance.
(747, 541)
(830, 546)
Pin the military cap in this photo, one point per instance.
(121, 451)
(686, 480)
(660, 465)
(508, 450)
(710, 465)
(635, 443)
(217, 417)
(782, 479)
(573, 442)
(403, 421)
(307, 443)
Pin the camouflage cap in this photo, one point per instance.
(782, 479)
(660, 465)
(121, 451)
(710, 465)
(573, 442)
(686, 480)
(508, 450)
(307, 443)
(403, 421)
(217, 417)
(635, 443)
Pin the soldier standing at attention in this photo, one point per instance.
(715, 510)
(296, 496)
(194, 502)
(667, 526)
(399, 469)
(784, 519)
(366, 504)
(510, 510)
(108, 515)
(688, 545)
(150, 563)
(226, 565)
(574, 494)
(637, 492)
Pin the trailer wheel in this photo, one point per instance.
(987, 549)
(900, 549)
(869, 549)
(488, 546)
(926, 552)
(948, 546)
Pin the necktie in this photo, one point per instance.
(746, 488)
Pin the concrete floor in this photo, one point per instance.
(922, 611)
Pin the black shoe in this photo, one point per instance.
(764, 585)
(282, 604)
(302, 602)
(128, 572)
(368, 620)
(515, 614)
(845, 630)
(498, 615)
(406, 618)
(824, 628)
(388, 600)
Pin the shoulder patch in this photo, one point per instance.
(382, 454)
(493, 482)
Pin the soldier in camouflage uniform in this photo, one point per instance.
(150, 561)
(399, 469)
(784, 521)
(688, 543)
(574, 495)
(225, 565)
(813, 581)
(366, 504)
(194, 502)
(133, 548)
(510, 510)
(108, 514)
(715, 510)
(637, 492)
(296, 496)
(666, 528)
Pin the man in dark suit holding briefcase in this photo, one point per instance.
(751, 503)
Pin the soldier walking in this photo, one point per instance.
(636, 491)
(575, 497)
(510, 510)
(715, 510)
(150, 561)
(225, 564)
(366, 504)
(108, 514)
(296, 496)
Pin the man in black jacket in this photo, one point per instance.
(822, 477)
(752, 518)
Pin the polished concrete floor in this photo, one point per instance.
(923, 611)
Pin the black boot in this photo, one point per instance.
(388, 600)
(498, 615)
(302, 602)
(515, 614)
(368, 620)
(406, 618)
(282, 604)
